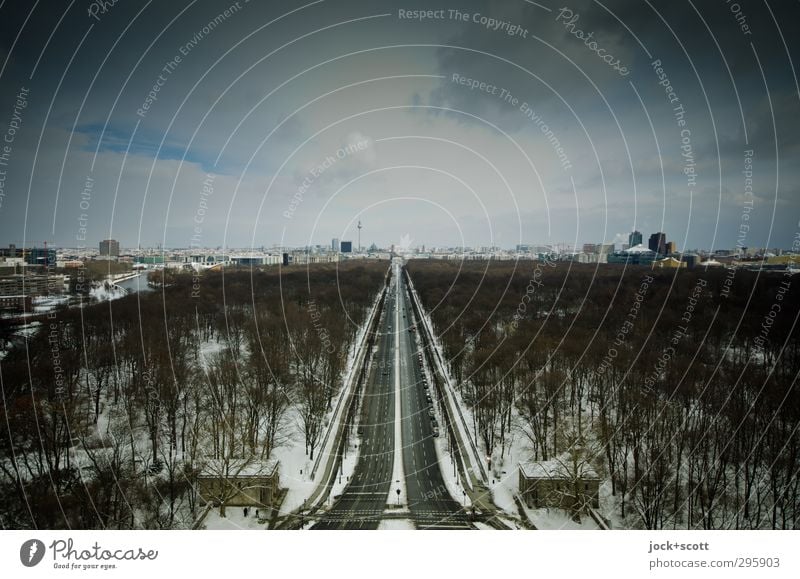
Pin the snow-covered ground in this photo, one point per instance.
(106, 292)
(234, 520)
(44, 304)
(503, 491)
(396, 525)
(483, 526)
(348, 466)
(559, 520)
(295, 474)
(208, 349)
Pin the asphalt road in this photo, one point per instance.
(430, 503)
(363, 502)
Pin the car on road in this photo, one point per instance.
(428, 397)
(431, 412)
(436, 431)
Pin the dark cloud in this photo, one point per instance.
(260, 103)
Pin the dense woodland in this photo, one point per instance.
(110, 410)
(679, 387)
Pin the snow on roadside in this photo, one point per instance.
(348, 464)
(483, 526)
(333, 418)
(441, 443)
(295, 470)
(457, 406)
(396, 525)
(451, 481)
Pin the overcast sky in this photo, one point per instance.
(287, 122)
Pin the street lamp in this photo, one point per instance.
(465, 497)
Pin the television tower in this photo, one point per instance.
(359, 236)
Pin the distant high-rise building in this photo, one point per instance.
(346, 247)
(11, 251)
(40, 256)
(634, 238)
(334, 244)
(109, 248)
(605, 248)
(589, 248)
(658, 243)
(670, 247)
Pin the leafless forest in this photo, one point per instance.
(110, 410)
(679, 387)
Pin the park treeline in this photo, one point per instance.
(679, 387)
(111, 410)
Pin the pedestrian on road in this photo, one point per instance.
(245, 512)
